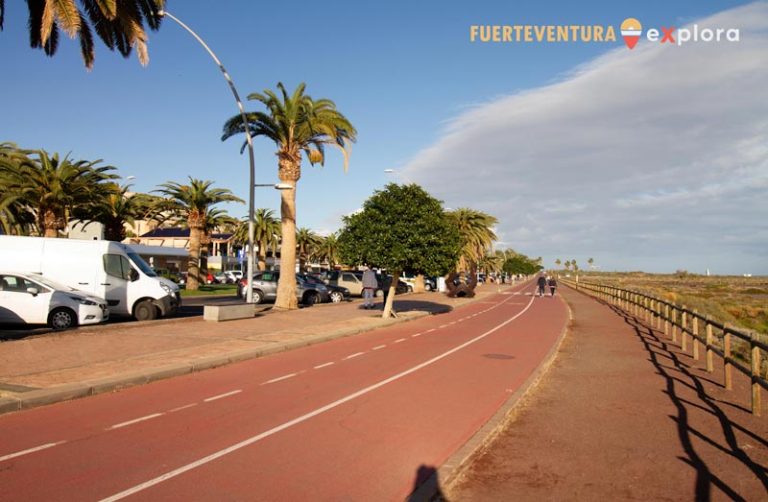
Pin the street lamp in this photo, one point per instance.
(249, 293)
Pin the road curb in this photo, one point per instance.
(41, 397)
(453, 468)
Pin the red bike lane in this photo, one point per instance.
(316, 422)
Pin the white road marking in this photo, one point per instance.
(30, 450)
(416, 334)
(443, 326)
(323, 365)
(400, 340)
(182, 407)
(379, 347)
(354, 355)
(284, 377)
(253, 439)
(135, 420)
(220, 396)
(430, 330)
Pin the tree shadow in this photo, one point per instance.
(433, 308)
(659, 350)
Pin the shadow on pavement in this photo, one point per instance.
(678, 376)
(426, 486)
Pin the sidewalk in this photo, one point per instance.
(59, 366)
(623, 414)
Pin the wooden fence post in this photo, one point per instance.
(710, 352)
(683, 327)
(756, 406)
(695, 319)
(666, 319)
(727, 366)
(674, 324)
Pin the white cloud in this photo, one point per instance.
(655, 158)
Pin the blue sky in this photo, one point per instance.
(406, 75)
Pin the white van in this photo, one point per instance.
(105, 269)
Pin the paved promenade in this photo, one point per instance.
(624, 414)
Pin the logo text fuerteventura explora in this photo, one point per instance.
(631, 31)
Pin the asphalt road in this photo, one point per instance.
(358, 418)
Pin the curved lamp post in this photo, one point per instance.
(249, 293)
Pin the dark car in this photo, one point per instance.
(386, 281)
(265, 289)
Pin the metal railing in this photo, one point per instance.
(701, 331)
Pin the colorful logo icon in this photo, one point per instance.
(631, 29)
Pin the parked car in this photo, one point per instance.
(34, 299)
(227, 277)
(384, 281)
(353, 280)
(337, 294)
(265, 289)
(430, 283)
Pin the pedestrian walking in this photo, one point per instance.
(370, 285)
(552, 283)
(542, 285)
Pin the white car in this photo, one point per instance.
(34, 299)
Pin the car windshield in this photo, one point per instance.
(50, 284)
(143, 266)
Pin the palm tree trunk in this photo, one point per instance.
(261, 256)
(193, 268)
(286, 287)
(418, 285)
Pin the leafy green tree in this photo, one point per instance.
(119, 24)
(521, 264)
(192, 202)
(402, 229)
(476, 233)
(52, 189)
(296, 123)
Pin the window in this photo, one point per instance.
(117, 266)
(17, 284)
(347, 277)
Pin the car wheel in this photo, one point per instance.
(309, 299)
(337, 296)
(145, 311)
(258, 296)
(62, 318)
(427, 287)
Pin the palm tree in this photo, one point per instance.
(328, 251)
(119, 24)
(192, 203)
(558, 262)
(307, 243)
(567, 265)
(16, 217)
(117, 207)
(296, 123)
(266, 235)
(476, 233)
(591, 262)
(52, 189)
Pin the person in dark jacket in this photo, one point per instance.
(542, 285)
(552, 283)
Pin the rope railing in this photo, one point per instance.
(688, 326)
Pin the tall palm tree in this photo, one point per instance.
(16, 216)
(266, 235)
(296, 123)
(52, 188)
(558, 262)
(307, 243)
(119, 24)
(476, 233)
(192, 202)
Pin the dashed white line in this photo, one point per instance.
(30, 450)
(400, 340)
(430, 330)
(135, 420)
(303, 418)
(443, 325)
(379, 347)
(284, 377)
(220, 396)
(182, 407)
(416, 334)
(356, 354)
(323, 365)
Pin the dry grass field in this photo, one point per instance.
(739, 301)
